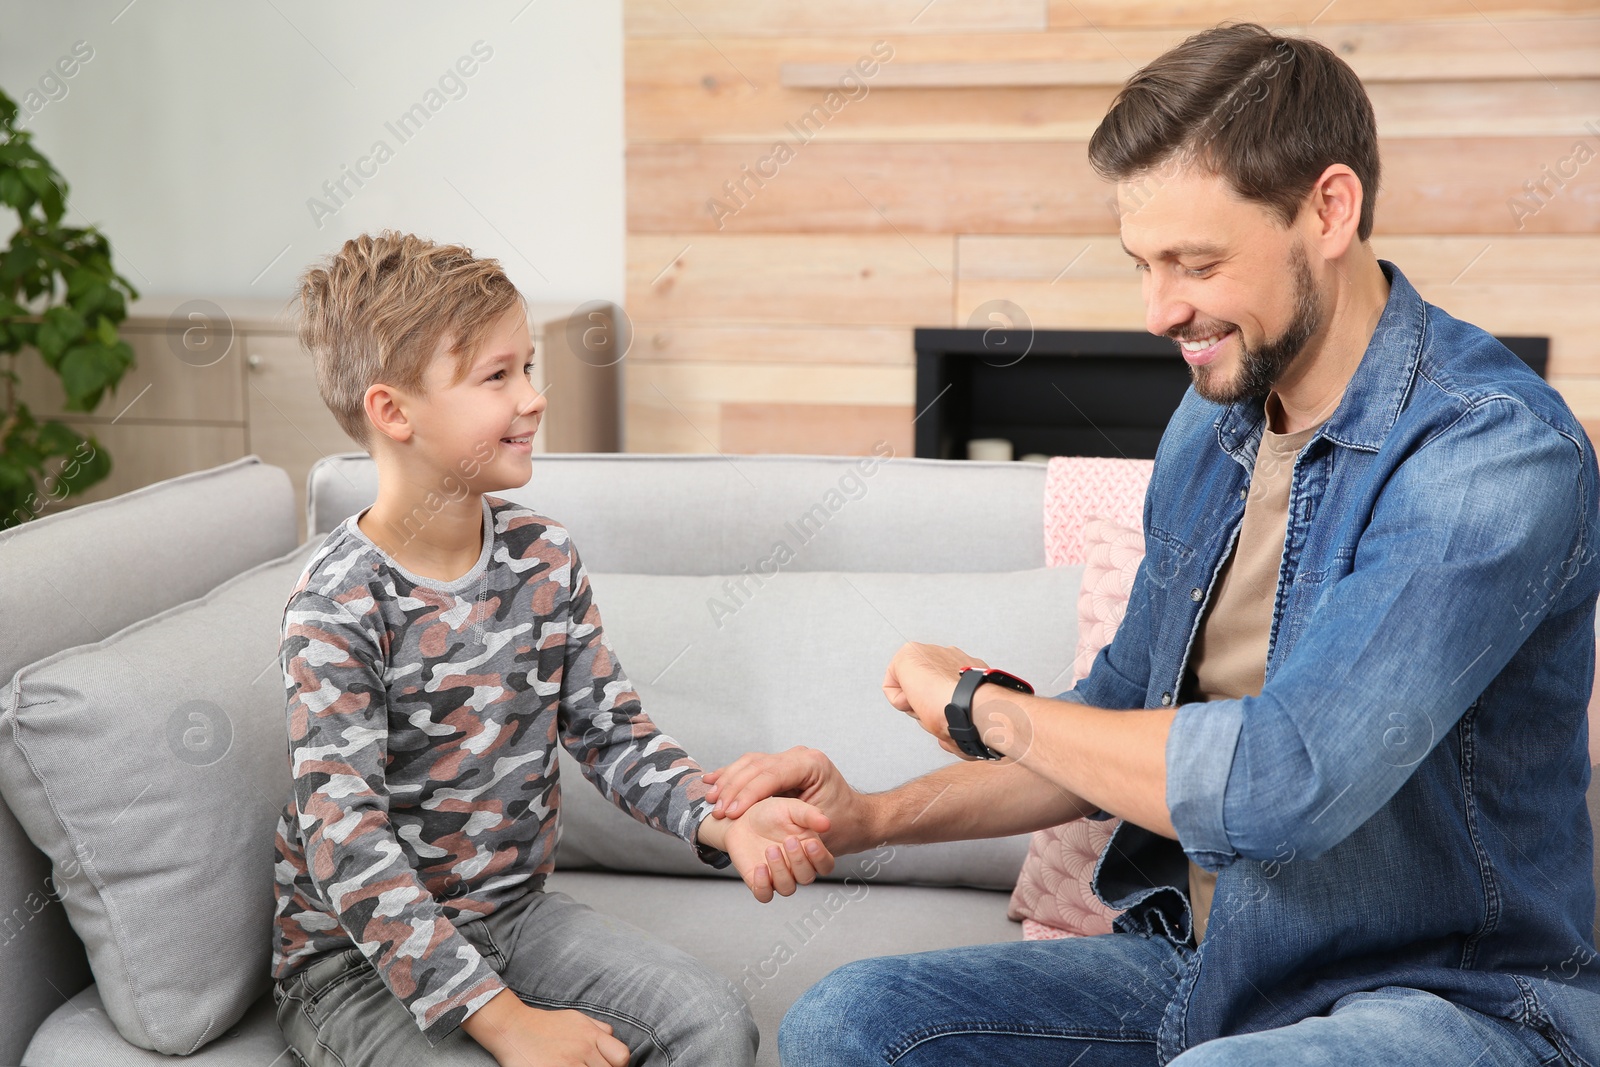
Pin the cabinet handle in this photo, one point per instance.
(253, 360)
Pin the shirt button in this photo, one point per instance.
(1166, 698)
(1242, 493)
(1195, 594)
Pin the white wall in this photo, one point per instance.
(198, 131)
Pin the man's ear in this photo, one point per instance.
(1333, 210)
(386, 411)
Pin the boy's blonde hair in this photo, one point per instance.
(375, 310)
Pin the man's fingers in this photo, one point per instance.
(756, 783)
(810, 817)
(732, 788)
(720, 778)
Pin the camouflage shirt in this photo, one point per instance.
(423, 721)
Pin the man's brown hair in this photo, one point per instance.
(1268, 113)
(375, 311)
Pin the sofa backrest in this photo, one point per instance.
(854, 513)
(74, 578)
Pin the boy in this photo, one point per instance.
(435, 649)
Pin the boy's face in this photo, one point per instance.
(462, 428)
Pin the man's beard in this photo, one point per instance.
(1260, 368)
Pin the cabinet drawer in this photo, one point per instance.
(202, 383)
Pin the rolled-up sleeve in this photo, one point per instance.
(1468, 545)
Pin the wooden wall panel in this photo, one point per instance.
(1436, 185)
(776, 314)
(927, 188)
(817, 429)
(695, 111)
(713, 18)
(688, 406)
(1292, 15)
(886, 345)
(783, 278)
(1456, 49)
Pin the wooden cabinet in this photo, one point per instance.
(214, 380)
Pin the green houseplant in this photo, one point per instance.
(60, 296)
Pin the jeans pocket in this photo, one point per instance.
(306, 988)
(482, 939)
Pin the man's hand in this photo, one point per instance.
(775, 846)
(520, 1035)
(803, 773)
(920, 682)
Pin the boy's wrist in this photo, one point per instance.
(711, 841)
(489, 1023)
(713, 832)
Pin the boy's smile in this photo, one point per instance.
(481, 428)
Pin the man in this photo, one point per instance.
(1343, 718)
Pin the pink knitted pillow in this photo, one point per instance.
(1053, 897)
(1112, 553)
(1594, 717)
(1079, 487)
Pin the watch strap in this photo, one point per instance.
(958, 712)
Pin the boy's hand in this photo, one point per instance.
(520, 1035)
(774, 846)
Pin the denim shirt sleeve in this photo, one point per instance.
(1468, 544)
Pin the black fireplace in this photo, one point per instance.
(1063, 392)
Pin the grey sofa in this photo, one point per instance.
(118, 609)
(731, 648)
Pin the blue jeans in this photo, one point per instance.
(553, 953)
(1098, 1002)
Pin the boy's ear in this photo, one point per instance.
(385, 406)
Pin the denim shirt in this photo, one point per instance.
(1403, 802)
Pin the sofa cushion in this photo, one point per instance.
(81, 1032)
(157, 546)
(755, 662)
(150, 767)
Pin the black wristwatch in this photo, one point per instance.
(958, 713)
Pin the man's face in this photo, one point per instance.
(1221, 277)
(462, 426)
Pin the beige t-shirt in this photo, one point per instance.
(1230, 653)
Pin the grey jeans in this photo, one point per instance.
(553, 953)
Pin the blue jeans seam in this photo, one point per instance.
(1467, 732)
(1535, 1018)
(926, 1034)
